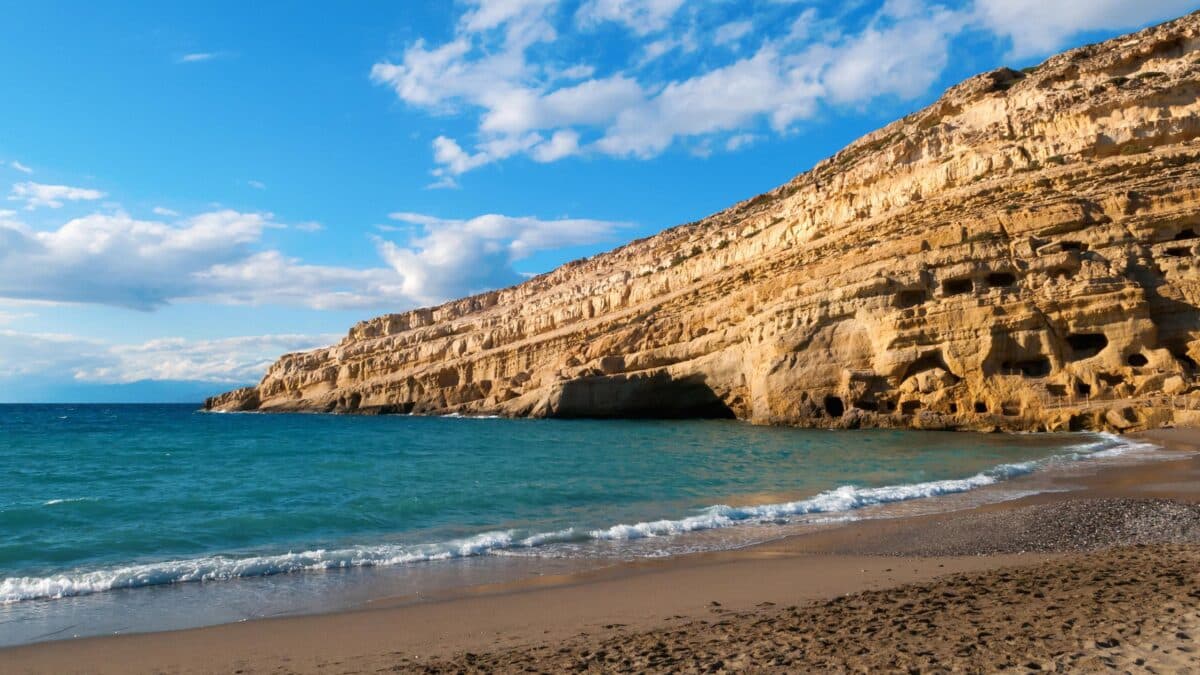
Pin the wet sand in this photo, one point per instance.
(1100, 577)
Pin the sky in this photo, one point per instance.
(188, 190)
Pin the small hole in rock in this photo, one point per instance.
(1187, 233)
(1083, 388)
(834, 406)
(1039, 367)
(1136, 360)
(1001, 279)
(980, 407)
(1178, 252)
(957, 286)
(910, 407)
(910, 298)
(953, 408)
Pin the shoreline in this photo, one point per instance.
(592, 605)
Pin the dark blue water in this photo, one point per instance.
(99, 498)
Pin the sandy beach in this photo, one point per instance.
(1103, 576)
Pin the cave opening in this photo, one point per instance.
(1083, 388)
(1001, 279)
(866, 404)
(911, 298)
(660, 396)
(1086, 345)
(834, 406)
(1039, 367)
(1070, 245)
(1187, 233)
(953, 408)
(980, 407)
(910, 407)
(1136, 360)
(957, 286)
(930, 361)
(1178, 252)
(1181, 355)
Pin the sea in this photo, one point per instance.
(128, 518)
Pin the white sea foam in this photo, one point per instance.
(67, 500)
(214, 568)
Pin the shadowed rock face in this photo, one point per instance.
(1022, 254)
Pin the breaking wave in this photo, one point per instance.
(221, 567)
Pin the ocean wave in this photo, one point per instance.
(68, 500)
(219, 567)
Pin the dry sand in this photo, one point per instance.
(1099, 578)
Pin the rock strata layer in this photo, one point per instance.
(1022, 254)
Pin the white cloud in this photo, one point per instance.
(785, 61)
(1038, 27)
(640, 16)
(563, 143)
(732, 32)
(217, 257)
(724, 99)
(309, 226)
(234, 360)
(20, 167)
(739, 141)
(52, 196)
(452, 258)
(272, 278)
(900, 55)
(197, 57)
(257, 184)
(164, 211)
(114, 259)
(229, 360)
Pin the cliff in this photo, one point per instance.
(1022, 254)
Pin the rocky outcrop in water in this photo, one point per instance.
(1022, 254)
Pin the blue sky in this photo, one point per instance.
(188, 191)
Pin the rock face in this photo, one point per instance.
(1020, 255)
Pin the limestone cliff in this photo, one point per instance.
(1022, 254)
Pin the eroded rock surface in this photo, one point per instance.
(1021, 255)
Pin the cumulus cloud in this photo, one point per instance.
(217, 257)
(234, 360)
(115, 259)
(783, 63)
(35, 195)
(1036, 27)
(451, 258)
(231, 360)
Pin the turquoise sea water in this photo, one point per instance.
(97, 499)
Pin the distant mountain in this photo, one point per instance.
(26, 390)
